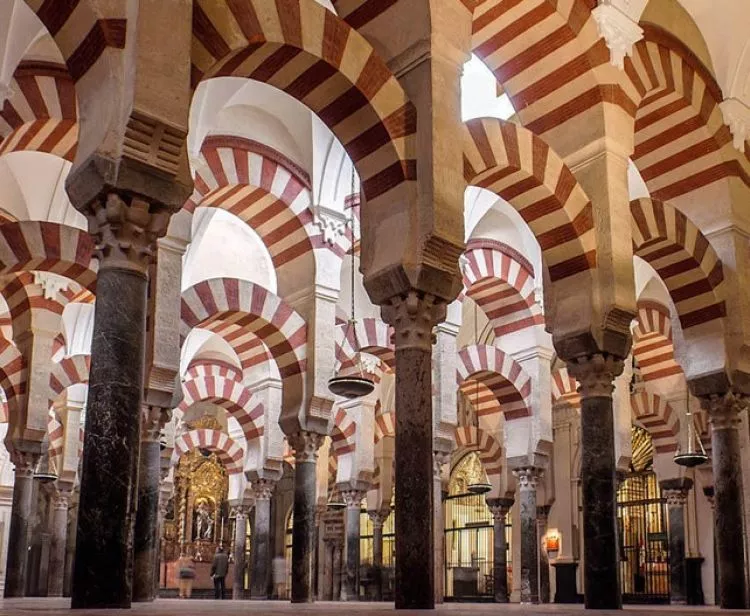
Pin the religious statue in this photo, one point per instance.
(204, 523)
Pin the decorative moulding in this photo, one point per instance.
(737, 118)
(331, 223)
(620, 32)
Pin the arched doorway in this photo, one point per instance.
(469, 535)
(642, 523)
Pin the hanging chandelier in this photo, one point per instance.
(695, 454)
(335, 501)
(43, 472)
(352, 385)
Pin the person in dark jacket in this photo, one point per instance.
(219, 569)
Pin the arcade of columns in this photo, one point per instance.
(522, 273)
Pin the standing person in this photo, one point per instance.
(186, 574)
(219, 569)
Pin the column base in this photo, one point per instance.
(566, 585)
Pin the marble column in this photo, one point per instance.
(542, 513)
(601, 568)
(305, 446)
(261, 537)
(240, 538)
(413, 317)
(145, 539)
(60, 503)
(528, 476)
(338, 548)
(350, 584)
(441, 458)
(125, 234)
(675, 492)
(724, 416)
(378, 519)
(165, 493)
(500, 508)
(20, 517)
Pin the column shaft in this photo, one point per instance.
(350, 586)
(59, 544)
(261, 550)
(306, 446)
(527, 479)
(146, 541)
(377, 557)
(240, 537)
(20, 516)
(728, 507)
(541, 520)
(601, 573)
(500, 508)
(106, 514)
(441, 458)
(415, 573)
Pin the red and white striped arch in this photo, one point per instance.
(202, 368)
(230, 395)
(13, 377)
(471, 438)
(549, 58)
(314, 56)
(652, 342)
(56, 439)
(657, 416)
(501, 282)
(227, 450)
(684, 259)
(501, 374)
(511, 161)
(343, 434)
(47, 246)
(68, 371)
(385, 425)
(373, 337)
(565, 388)
(41, 114)
(270, 194)
(243, 313)
(681, 141)
(27, 302)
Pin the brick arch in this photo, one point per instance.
(657, 416)
(681, 141)
(212, 368)
(471, 438)
(42, 114)
(684, 259)
(565, 388)
(68, 371)
(385, 425)
(501, 282)
(244, 313)
(343, 433)
(49, 247)
(515, 164)
(652, 342)
(373, 336)
(230, 395)
(56, 439)
(91, 37)
(268, 193)
(314, 56)
(501, 374)
(13, 379)
(228, 451)
(542, 51)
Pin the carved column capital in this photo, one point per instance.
(542, 512)
(240, 511)
(61, 500)
(675, 491)
(724, 410)
(708, 492)
(413, 317)
(499, 507)
(352, 498)
(125, 229)
(305, 445)
(263, 489)
(378, 518)
(439, 460)
(153, 419)
(25, 462)
(528, 477)
(596, 374)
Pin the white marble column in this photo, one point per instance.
(60, 502)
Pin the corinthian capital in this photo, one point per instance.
(305, 445)
(263, 489)
(724, 410)
(24, 461)
(596, 374)
(125, 230)
(413, 316)
(499, 507)
(153, 419)
(352, 498)
(528, 477)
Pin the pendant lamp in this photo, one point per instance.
(352, 385)
(477, 487)
(695, 455)
(43, 473)
(335, 501)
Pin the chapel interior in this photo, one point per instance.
(412, 303)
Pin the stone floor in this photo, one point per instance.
(164, 607)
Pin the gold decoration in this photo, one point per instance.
(469, 471)
(205, 422)
(643, 449)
